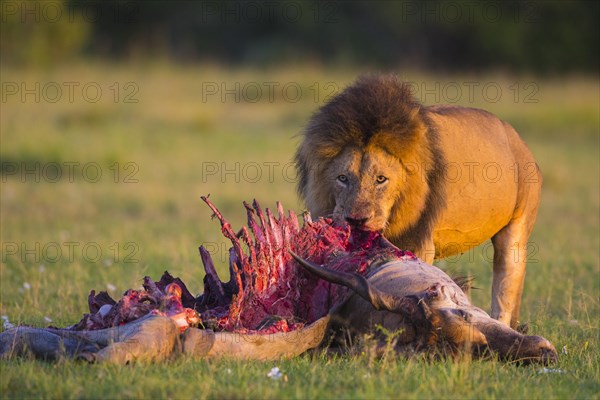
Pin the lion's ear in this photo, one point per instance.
(404, 144)
(415, 123)
(403, 138)
(413, 115)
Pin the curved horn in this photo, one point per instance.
(354, 281)
(384, 242)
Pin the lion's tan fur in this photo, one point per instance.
(454, 177)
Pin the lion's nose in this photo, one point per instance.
(357, 222)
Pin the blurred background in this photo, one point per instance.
(116, 116)
(532, 36)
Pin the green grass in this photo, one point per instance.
(169, 135)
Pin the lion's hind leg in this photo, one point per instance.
(510, 249)
(510, 246)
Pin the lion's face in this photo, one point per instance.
(366, 184)
(366, 158)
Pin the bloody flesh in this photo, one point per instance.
(267, 291)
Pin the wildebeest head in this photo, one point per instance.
(438, 319)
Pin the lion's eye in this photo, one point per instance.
(342, 178)
(381, 179)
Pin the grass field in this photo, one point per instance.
(101, 186)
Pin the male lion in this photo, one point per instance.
(437, 180)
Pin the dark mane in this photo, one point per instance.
(372, 104)
(413, 236)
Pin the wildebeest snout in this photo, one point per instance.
(537, 348)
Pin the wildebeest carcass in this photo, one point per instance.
(271, 307)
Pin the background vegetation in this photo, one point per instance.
(159, 127)
(533, 36)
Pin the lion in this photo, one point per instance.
(436, 180)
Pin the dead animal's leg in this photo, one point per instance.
(156, 339)
(41, 343)
(149, 338)
(254, 347)
(197, 343)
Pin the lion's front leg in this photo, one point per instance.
(426, 251)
